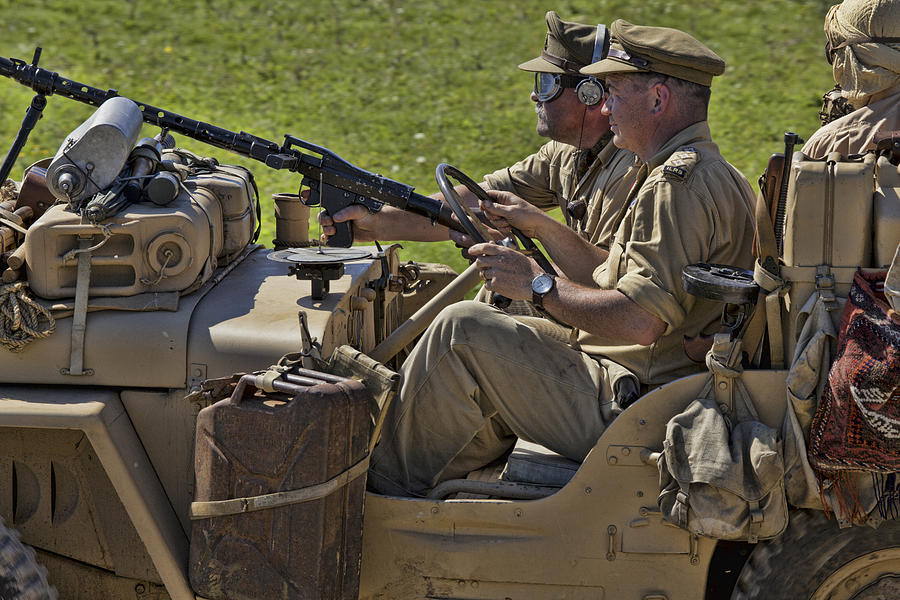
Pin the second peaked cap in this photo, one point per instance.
(643, 49)
(567, 48)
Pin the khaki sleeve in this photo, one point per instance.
(672, 228)
(529, 179)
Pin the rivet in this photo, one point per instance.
(626, 451)
(613, 460)
(588, 490)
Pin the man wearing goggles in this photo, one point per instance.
(579, 170)
(863, 48)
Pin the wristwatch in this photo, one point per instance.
(540, 287)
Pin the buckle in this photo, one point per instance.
(825, 286)
(626, 57)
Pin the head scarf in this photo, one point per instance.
(864, 66)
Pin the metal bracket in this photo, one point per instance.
(630, 456)
(310, 348)
(320, 275)
(198, 374)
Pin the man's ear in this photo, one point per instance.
(661, 97)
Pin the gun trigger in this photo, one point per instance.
(313, 199)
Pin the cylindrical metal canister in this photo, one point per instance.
(92, 156)
(291, 222)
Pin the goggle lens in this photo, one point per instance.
(547, 86)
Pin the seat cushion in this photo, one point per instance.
(534, 464)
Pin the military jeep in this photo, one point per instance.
(98, 417)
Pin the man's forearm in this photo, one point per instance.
(575, 256)
(606, 313)
(395, 224)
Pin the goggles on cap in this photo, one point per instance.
(548, 86)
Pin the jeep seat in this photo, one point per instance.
(537, 465)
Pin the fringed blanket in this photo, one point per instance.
(855, 434)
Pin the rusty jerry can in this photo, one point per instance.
(280, 483)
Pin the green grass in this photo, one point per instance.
(394, 87)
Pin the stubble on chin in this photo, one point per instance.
(541, 126)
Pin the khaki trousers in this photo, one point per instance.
(476, 381)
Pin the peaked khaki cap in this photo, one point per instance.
(567, 48)
(640, 49)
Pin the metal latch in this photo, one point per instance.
(825, 286)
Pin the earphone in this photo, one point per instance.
(590, 90)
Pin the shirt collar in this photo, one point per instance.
(692, 134)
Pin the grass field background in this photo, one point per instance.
(394, 87)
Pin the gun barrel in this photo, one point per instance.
(329, 167)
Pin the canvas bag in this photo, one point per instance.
(721, 472)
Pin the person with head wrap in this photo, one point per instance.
(863, 47)
(579, 170)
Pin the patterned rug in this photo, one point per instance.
(856, 428)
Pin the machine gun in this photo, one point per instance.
(333, 182)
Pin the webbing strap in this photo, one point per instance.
(680, 509)
(767, 274)
(266, 379)
(830, 184)
(235, 506)
(765, 235)
(776, 337)
(756, 520)
(79, 317)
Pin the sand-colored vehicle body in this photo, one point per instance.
(96, 470)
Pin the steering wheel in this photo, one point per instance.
(465, 281)
(472, 224)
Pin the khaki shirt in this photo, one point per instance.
(547, 180)
(688, 205)
(854, 133)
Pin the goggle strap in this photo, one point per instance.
(600, 41)
(566, 65)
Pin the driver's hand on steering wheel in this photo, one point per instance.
(464, 241)
(506, 210)
(505, 271)
(364, 223)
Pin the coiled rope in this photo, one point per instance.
(21, 318)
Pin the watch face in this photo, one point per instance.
(542, 284)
